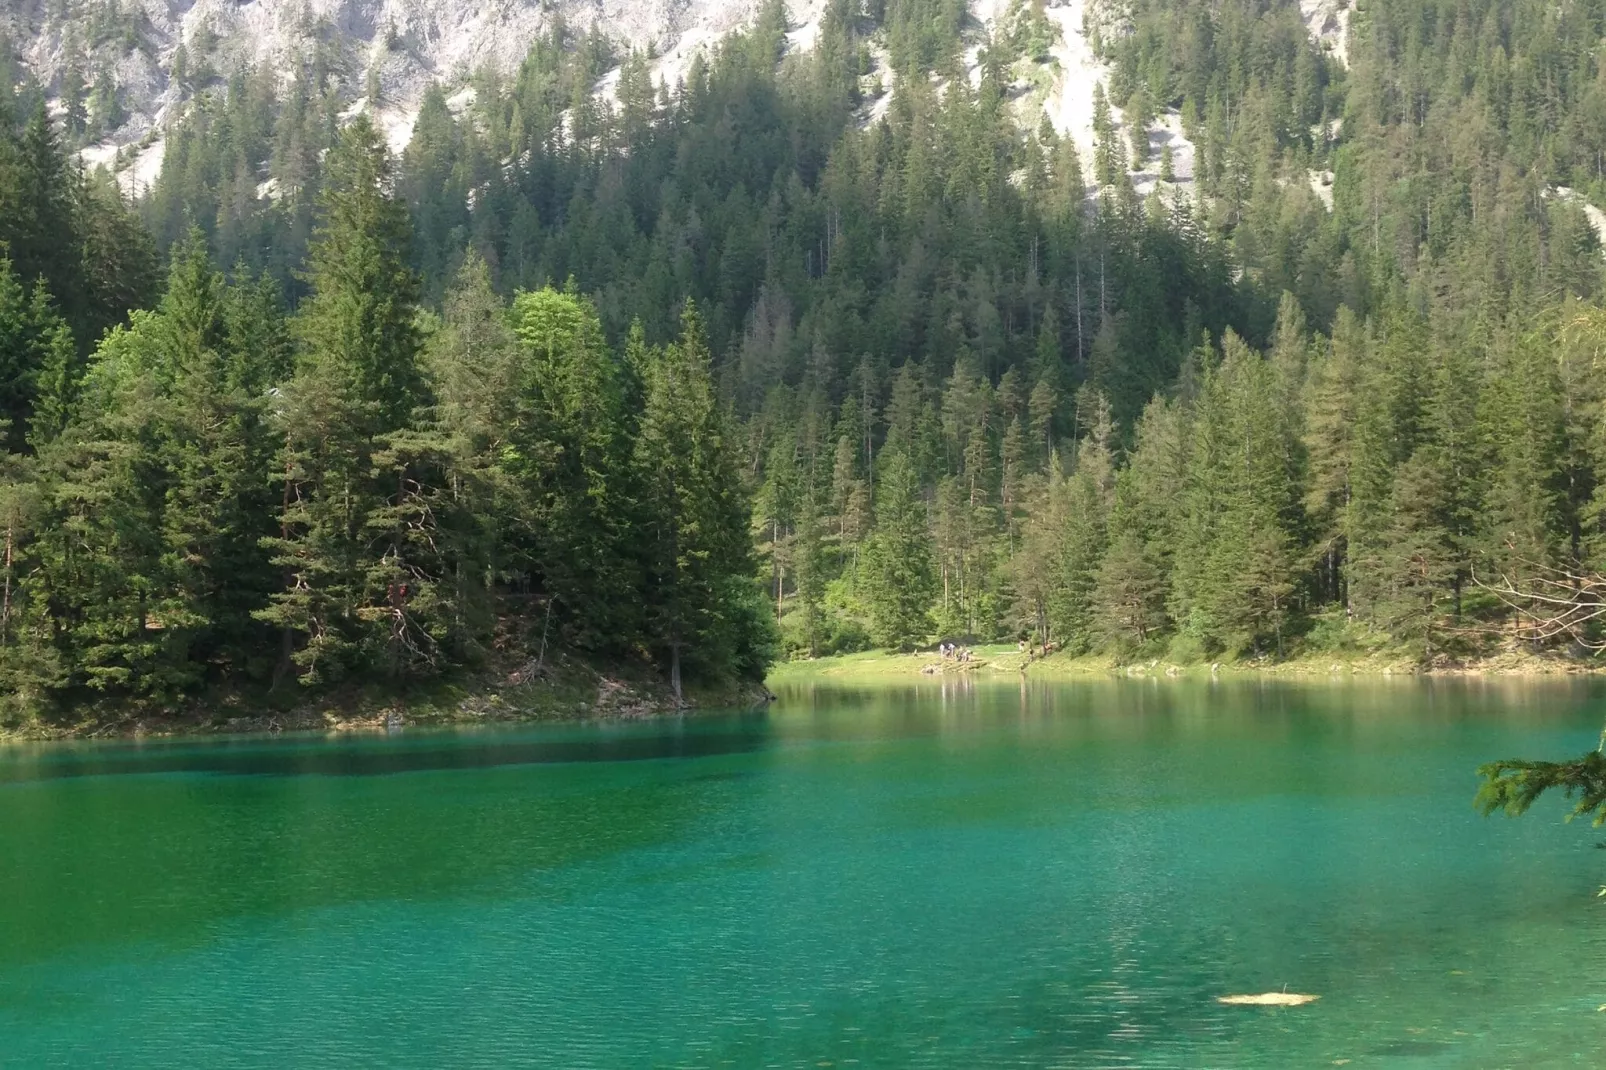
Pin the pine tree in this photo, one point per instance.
(1014, 475)
(809, 568)
(1107, 153)
(698, 555)
(37, 228)
(97, 562)
(776, 509)
(1128, 595)
(29, 665)
(897, 573)
(1330, 403)
(569, 457)
(475, 366)
(75, 118)
(356, 380)
(1234, 575)
(33, 342)
(117, 260)
(1413, 562)
(849, 499)
(56, 380)
(105, 110)
(1083, 513)
(217, 452)
(1525, 430)
(1034, 566)
(148, 547)
(1139, 114)
(1381, 431)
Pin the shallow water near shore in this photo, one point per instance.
(982, 873)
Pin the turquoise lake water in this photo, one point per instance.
(999, 875)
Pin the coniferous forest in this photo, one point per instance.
(720, 372)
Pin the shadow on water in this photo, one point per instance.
(379, 756)
(91, 853)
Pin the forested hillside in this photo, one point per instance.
(839, 336)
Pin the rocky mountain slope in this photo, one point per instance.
(140, 58)
(149, 48)
(136, 61)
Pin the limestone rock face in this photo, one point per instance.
(405, 45)
(1328, 23)
(409, 42)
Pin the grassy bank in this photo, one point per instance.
(1007, 659)
(569, 688)
(882, 664)
(562, 688)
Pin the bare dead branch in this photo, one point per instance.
(1551, 601)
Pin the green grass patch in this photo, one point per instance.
(882, 664)
(1359, 659)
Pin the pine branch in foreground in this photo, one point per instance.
(1513, 785)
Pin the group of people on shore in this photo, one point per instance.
(952, 651)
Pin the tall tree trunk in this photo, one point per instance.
(780, 569)
(674, 673)
(5, 611)
(1078, 330)
(287, 640)
(398, 596)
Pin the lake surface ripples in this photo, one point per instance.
(987, 875)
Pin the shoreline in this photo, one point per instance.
(1001, 660)
(569, 691)
(573, 692)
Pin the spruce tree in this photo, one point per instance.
(1083, 522)
(475, 366)
(217, 451)
(342, 607)
(1128, 595)
(897, 572)
(850, 500)
(1525, 429)
(38, 230)
(148, 550)
(569, 457)
(1392, 388)
(1330, 401)
(33, 341)
(696, 548)
(1235, 566)
(98, 562)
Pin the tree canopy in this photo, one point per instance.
(816, 350)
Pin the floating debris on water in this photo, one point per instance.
(1269, 999)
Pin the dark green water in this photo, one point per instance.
(1048, 876)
